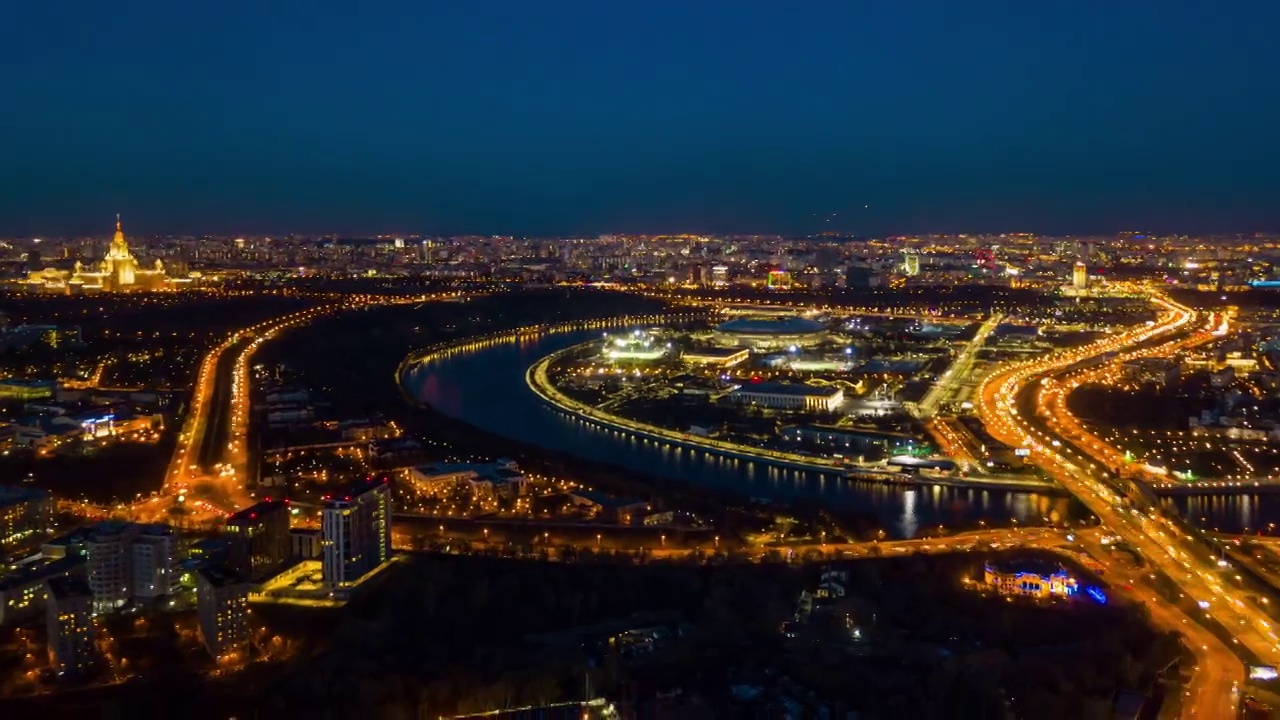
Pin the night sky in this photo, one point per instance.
(541, 117)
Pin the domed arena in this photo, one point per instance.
(770, 333)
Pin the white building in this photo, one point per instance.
(356, 534)
(128, 561)
(1080, 276)
(154, 562)
(502, 477)
(109, 560)
(789, 396)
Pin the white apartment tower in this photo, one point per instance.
(356, 533)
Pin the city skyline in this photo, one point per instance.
(580, 119)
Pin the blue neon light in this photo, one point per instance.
(1097, 595)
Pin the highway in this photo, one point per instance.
(219, 413)
(1163, 543)
(959, 370)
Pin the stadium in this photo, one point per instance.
(770, 333)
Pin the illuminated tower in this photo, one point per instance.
(119, 264)
(1080, 276)
(910, 263)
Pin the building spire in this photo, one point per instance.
(118, 229)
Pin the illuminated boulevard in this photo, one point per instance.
(210, 464)
(1124, 506)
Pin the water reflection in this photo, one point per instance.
(487, 388)
(1230, 513)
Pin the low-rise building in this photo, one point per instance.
(1029, 578)
(851, 439)
(788, 396)
(621, 510)
(501, 477)
(26, 389)
(716, 356)
(1152, 371)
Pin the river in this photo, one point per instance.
(487, 389)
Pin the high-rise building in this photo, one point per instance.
(70, 625)
(356, 533)
(1080, 276)
(128, 561)
(910, 263)
(222, 602)
(26, 518)
(154, 558)
(110, 558)
(259, 536)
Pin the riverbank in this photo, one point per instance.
(540, 384)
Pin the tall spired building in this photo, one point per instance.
(118, 271)
(118, 267)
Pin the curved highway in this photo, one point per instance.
(1163, 543)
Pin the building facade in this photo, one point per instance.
(153, 562)
(222, 602)
(259, 536)
(130, 562)
(1035, 579)
(117, 271)
(26, 516)
(789, 396)
(71, 629)
(356, 534)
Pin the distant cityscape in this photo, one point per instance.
(223, 457)
(823, 261)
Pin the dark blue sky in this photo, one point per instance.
(532, 117)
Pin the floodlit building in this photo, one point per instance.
(356, 530)
(1029, 578)
(222, 602)
(720, 357)
(70, 625)
(259, 537)
(910, 263)
(502, 477)
(638, 345)
(789, 396)
(118, 271)
(1080, 276)
(26, 389)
